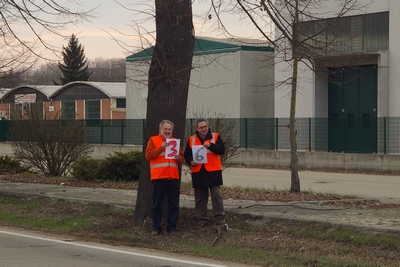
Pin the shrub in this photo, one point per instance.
(121, 167)
(11, 166)
(116, 167)
(43, 141)
(86, 169)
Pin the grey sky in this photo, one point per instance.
(114, 21)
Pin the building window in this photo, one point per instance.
(68, 110)
(369, 32)
(121, 103)
(92, 109)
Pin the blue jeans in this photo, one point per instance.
(162, 188)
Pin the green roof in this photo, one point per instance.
(205, 46)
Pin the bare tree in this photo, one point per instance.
(225, 127)
(108, 70)
(46, 143)
(25, 25)
(168, 84)
(102, 70)
(44, 74)
(293, 43)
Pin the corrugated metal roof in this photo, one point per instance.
(4, 91)
(112, 90)
(206, 45)
(47, 90)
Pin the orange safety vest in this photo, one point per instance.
(213, 160)
(160, 167)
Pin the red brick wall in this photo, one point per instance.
(80, 109)
(118, 114)
(5, 108)
(107, 112)
(105, 106)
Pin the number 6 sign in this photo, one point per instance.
(199, 154)
(172, 148)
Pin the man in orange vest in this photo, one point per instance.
(164, 176)
(206, 177)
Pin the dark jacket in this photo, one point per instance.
(204, 178)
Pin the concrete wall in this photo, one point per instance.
(99, 151)
(318, 161)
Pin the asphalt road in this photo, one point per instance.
(26, 249)
(386, 188)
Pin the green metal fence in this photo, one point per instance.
(355, 135)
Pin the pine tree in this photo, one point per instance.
(75, 67)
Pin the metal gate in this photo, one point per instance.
(352, 109)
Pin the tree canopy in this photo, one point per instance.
(75, 67)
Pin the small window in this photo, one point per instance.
(68, 110)
(121, 103)
(92, 109)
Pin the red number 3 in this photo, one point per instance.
(174, 152)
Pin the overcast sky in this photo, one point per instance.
(113, 32)
(112, 19)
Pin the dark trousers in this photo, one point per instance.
(201, 200)
(162, 188)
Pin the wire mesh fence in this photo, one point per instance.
(354, 135)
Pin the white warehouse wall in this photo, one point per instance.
(394, 58)
(312, 95)
(237, 84)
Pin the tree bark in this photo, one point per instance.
(168, 84)
(295, 180)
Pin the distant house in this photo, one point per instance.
(234, 79)
(75, 100)
(4, 110)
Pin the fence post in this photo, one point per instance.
(144, 128)
(276, 133)
(384, 135)
(245, 132)
(309, 134)
(101, 132)
(122, 132)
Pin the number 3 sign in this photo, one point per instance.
(172, 148)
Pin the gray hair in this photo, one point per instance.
(164, 122)
(201, 120)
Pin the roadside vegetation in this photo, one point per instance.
(249, 240)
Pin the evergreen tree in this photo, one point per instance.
(75, 67)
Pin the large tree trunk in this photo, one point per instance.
(168, 84)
